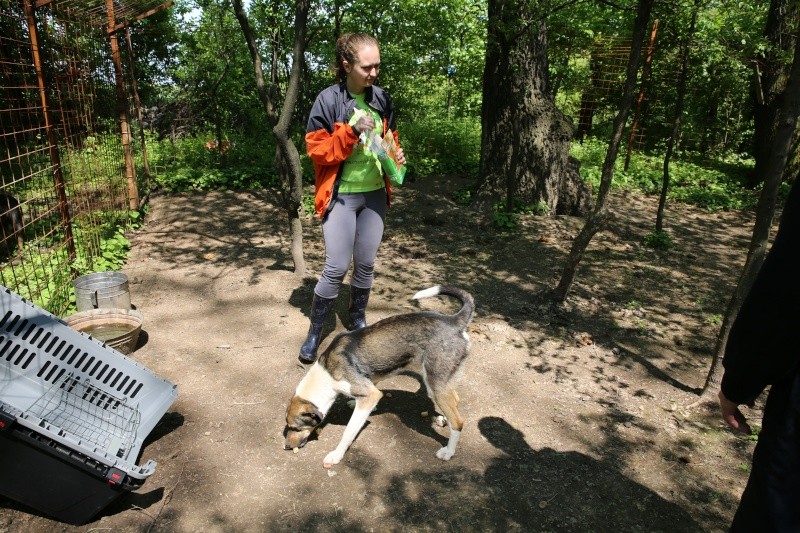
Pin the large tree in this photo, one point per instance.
(525, 137)
(772, 76)
(784, 127)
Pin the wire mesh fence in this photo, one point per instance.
(70, 172)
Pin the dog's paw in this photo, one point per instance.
(331, 459)
(445, 454)
(440, 420)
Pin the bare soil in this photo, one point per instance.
(576, 415)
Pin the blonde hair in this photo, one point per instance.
(347, 47)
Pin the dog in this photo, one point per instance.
(432, 344)
(11, 223)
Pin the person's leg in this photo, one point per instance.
(770, 499)
(369, 233)
(338, 231)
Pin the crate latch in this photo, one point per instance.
(115, 476)
(6, 420)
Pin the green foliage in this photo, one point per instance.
(52, 277)
(98, 249)
(185, 163)
(437, 146)
(308, 204)
(504, 221)
(464, 195)
(658, 240)
(540, 208)
(712, 184)
(113, 253)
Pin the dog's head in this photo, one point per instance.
(302, 417)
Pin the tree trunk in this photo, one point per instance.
(646, 70)
(772, 74)
(525, 138)
(601, 215)
(786, 119)
(676, 121)
(287, 156)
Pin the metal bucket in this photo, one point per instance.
(118, 328)
(102, 290)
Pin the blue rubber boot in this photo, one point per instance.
(358, 308)
(320, 307)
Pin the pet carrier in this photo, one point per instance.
(74, 414)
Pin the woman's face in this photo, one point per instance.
(364, 71)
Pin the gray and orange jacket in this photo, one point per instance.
(330, 139)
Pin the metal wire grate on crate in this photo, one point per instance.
(79, 408)
(68, 387)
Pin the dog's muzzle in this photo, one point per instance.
(295, 439)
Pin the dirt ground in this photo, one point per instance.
(575, 416)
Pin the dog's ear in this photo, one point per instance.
(312, 418)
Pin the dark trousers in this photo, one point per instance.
(771, 500)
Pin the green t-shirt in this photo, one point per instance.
(362, 170)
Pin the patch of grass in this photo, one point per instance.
(464, 195)
(658, 240)
(712, 183)
(308, 204)
(633, 304)
(504, 221)
(442, 146)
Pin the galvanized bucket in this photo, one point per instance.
(118, 328)
(102, 290)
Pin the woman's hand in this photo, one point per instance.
(364, 124)
(400, 155)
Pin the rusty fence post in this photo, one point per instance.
(122, 104)
(138, 103)
(52, 139)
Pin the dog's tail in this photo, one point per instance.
(464, 315)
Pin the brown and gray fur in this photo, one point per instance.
(430, 343)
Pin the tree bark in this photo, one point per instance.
(772, 74)
(287, 156)
(646, 70)
(676, 121)
(600, 215)
(786, 119)
(525, 138)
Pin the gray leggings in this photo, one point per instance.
(353, 230)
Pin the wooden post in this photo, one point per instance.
(52, 139)
(138, 104)
(122, 105)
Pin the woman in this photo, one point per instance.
(352, 192)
